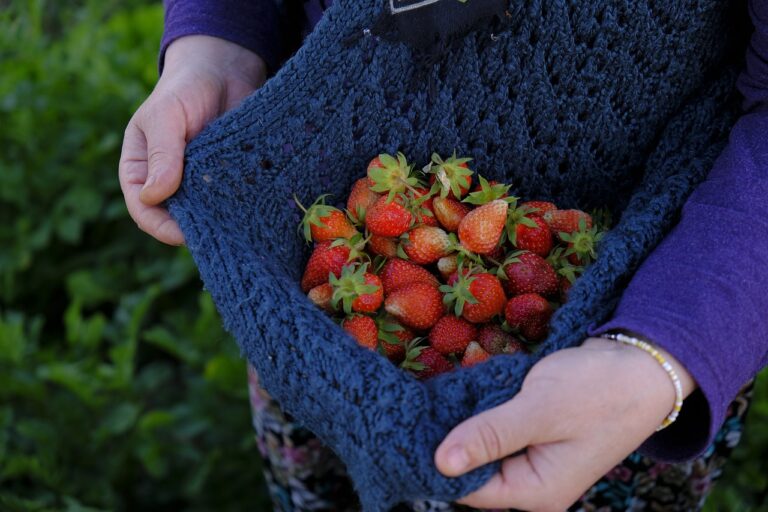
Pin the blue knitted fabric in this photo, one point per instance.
(623, 104)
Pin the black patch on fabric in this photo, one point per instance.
(429, 25)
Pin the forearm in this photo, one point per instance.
(252, 24)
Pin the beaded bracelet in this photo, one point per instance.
(647, 347)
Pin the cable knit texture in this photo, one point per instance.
(619, 104)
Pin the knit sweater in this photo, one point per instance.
(630, 113)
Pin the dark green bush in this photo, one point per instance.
(118, 388)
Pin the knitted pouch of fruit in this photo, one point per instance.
(614, 104)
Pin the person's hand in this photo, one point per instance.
(579, 413)
(203, 77)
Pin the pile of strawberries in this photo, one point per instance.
(432, 275)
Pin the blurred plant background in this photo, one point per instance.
(118, 388)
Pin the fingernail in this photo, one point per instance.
(457, 459)
(150, 181)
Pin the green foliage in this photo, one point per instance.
(119, 389)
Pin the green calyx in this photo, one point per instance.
(314, 214)
(349, 286)
(413, 349)
(487, 193)
(450, 174)
(356, 246)
(457, 295)
(517, 216)
(583, 242)
(511, 259)
(393, 177)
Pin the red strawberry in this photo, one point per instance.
(416, 305)
(363, 329)
(566, 221)
(565, 285)
(360, 199)
(480, 231)
(383, 246)
(537, 239)
(494, 339)
(325, 259)
(425, 362)
(426, 244)
(322, 222)
(449, 212)
(451, 177)
(393, 337)
(514, 347)
(388, 218)
(321, 296)
(538, 208)
(527, 272)
(475, 297)
(357, 290)
(474, 355)
(448, 265)
(396, 273)
(451, 335)
(529, 314)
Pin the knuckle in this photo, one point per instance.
(490, 440)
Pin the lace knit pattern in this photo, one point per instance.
(590, 104)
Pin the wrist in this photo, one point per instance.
(214, 55)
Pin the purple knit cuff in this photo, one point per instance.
(251, 24)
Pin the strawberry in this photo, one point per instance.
(450, 177)
(526, 272)
(476, 297)
(390, 175)
(392, 338)
(481, 229)
(383, 246)
(487, 192)
(360, 199)
(416, 305)
(387, 218)
(425, 362)
(363, 329)
(321, 297)
(537, 239)
(514, 347)
(326, 259)
(426, 244)
(538, 208)
(448, 265)
(397, 272)
(494, 339)
(449, 212)
(422, 206)
(322, 222)
(451, 335)
(357, 290)
(566, 221)
(582, 244)
(474, 355)
(529, 314)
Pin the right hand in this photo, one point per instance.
(203, 77)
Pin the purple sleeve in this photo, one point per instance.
(252, 24)
(701, 295)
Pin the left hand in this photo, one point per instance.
(579, 413)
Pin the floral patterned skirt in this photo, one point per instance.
(304, 475)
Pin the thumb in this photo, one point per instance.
(493, 435)
(165, 128)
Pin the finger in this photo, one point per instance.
(164, 126)
(494, 434)
(546, 477)
(132, 173)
